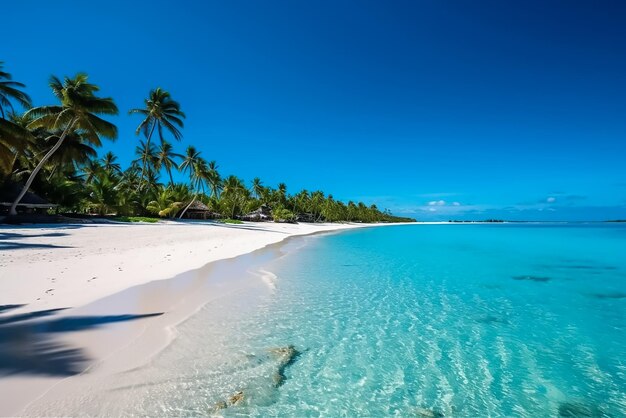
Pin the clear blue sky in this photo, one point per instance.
(438, 109)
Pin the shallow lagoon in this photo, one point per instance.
(423, 320)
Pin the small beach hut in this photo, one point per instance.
(199, 210)
(30, 203)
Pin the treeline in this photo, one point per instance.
(51, 150)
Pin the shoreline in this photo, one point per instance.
(129, 322)
(71, 265)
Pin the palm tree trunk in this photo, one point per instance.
(143, 160)
(13, 210)
(169, 171)
(187, 207)
(52, 173)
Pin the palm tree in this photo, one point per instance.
(213, 179)
(13, 135)
(13, 138)
(257, 187)
(91, 170)
(165, 158)
(197, 168)
(109, 163)
(160, 112)
(329, 209)
(103, 194)
(10, 90)
(73, 153)
(316, 202)
(351, 211)
(146, 153)
(282, 192)
(300, 202)
(77, 111)
(151, 181)
(165, 204)
(234, 192)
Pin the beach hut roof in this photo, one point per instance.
(9, 192)
(199, 206)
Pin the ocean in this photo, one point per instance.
(470, 320)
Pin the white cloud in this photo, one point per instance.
(432, 210)
(456, 204)
(551, 199)
(437, 203)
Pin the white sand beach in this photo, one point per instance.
(65, 272)
(72, 265)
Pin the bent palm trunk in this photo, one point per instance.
(13, 210)
(187, 207)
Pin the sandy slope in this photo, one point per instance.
(94, 271)
(72, 265)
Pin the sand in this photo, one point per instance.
(106, 281)
(72, 265)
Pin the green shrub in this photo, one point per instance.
(231, 221)
(135, 219)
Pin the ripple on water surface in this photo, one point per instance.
(409, 321)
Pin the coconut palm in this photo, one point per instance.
(197, 168)
(257, 187)
(151, 182)
(234, 193)
(165, 204)
(73, 153)
(110, 164)
(316, 201)
(282, 193)
(90, 170)
(78, 111)
(165, 159)
(10, 91)
(13, 139)
(160, 112)
(301, 201)
(103, 195)
(146, 155)
(13, 135)
(213, 179)
(329, 208)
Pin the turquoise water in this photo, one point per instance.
(423, 320)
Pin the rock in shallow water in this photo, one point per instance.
(236, 399)
(286, 356)
(428, 413)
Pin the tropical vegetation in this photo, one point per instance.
(52, 151)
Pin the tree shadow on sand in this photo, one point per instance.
(28, 346)
(5, 308)
(10, 240)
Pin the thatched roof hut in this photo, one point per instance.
(199, 210)
(30, 203)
